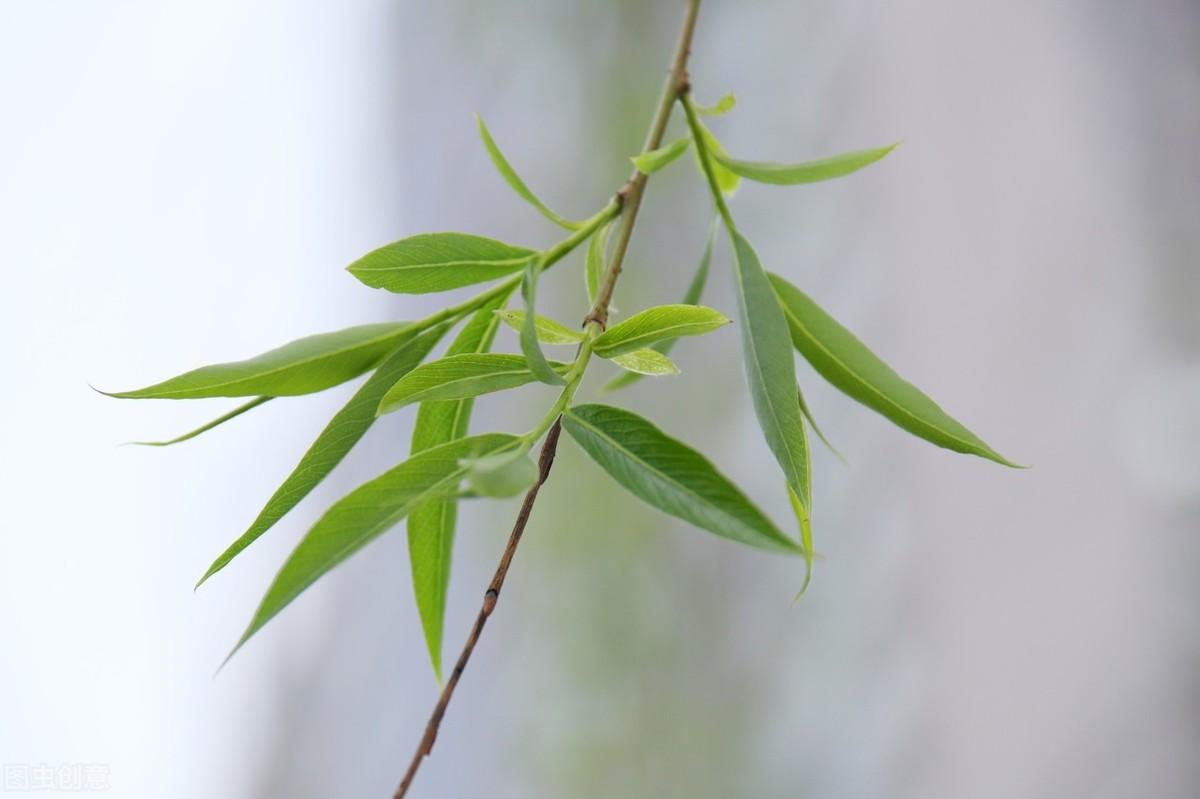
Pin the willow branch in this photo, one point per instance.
(630, 197)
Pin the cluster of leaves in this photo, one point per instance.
(446, 464)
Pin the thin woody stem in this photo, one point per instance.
(630, 198)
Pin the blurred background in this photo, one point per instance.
(182, 183)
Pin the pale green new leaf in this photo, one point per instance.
(460, 377)
(808, 172)
(339, 436)
(813, 424)
(548, 331)
(646, 362)
(204, 428)
(804, 519)
(670, 475)
(303, 366)
(692, 296)
(726, 180)
(369, 511)
(846, 362)
(719, 108)
(650, 162)
(538, 365)
(514, 180)
(502, 475)
(431, 262)
(770, 370)
(657, 324)
(593, 266)
(431, 525)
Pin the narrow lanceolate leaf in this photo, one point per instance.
(339, 436)
(770, 370)
(808, 172)
(670, 475)
(657, 324)
(691, 297)
(804, 519)
(650, 162)
(548, 331)
(594, 261)
(719, 108)
(813, 424)
(460, 377)
(726, 180)
(303, 366)
(204, 428)
(538, 365)
(514, 180)
(646, 362)
(367, 512)
(438, 262)
(431, 525)
(846, 362)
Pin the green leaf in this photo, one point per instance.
(726, 180)
(594, 262)
(538, 365)
(504, 475)
(510, 176)
(367, 512)
(236, 412)
(650, 162)
(303, 366)
(691, 297)
(770, 370)
(646, 362)
(804, 519)
(431, 525)
(460, 377)
(813, 424)
(548, 331)
(432, 262)
(809, 172)
(339, 436)
(846, 362)
(671, 476)
(656, 324)
(719, 108)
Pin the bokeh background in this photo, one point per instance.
(183, 182)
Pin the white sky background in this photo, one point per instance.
(181, 183)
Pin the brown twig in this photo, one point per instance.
(631, 199)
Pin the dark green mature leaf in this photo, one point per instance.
(846, 362)
(594, 261)
(538, 365)
(303, 366)
(650, 162)
(369, 511)
(459, 377)
(432, 262)
(656, 324)
(719, 108)
(670, 475)
(513, 179)
(339, 436)
(770, 370)
(431, 525)
(204, 428)
(548, 331)
(646, 362)
(808, 172)
(691, 297)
